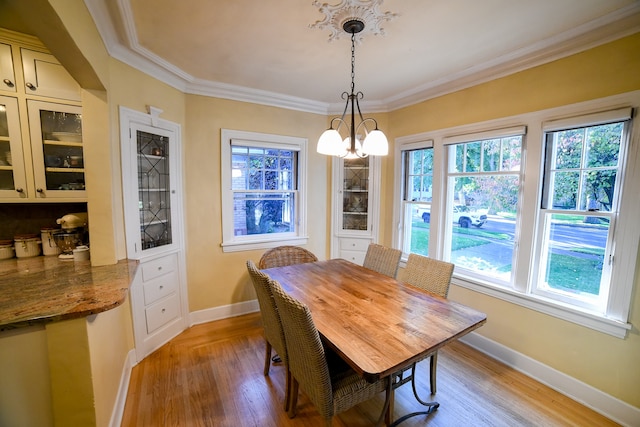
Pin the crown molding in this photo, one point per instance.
(616, 25)
(256, 96)
(621, 23)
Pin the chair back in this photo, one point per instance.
(285, 255)
(382, 259)
(273, 331)
(429, 274)
(307, 359)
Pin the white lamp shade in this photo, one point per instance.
(376, 144)
(330, 143)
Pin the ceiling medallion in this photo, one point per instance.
(365, 11)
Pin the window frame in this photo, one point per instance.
(404, 182)
(450, 175)
(233, 243)
(615, 320)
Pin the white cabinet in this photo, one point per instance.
(57, 150)
(150, 149)
(156, 302)
(13, 184)
(6, 69)
(45, 76)
(41, 145)
(356, 207)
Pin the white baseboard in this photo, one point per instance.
(607, 405)
(223, 312)
(121, 398)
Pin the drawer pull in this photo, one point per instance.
(30, 86)
(8, 82)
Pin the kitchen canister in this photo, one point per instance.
(81, 253)
(6, 249)
(49, 246)
(27, 245)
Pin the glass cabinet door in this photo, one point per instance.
(355, 191)
(12, 172)
(154, 194)
(57, 145)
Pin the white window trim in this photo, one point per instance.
(231, 243)
(615, 321)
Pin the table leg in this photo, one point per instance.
(431, 406)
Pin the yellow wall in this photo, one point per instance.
(25, 383)
(602, 361)
(110, 337)
(216, 278)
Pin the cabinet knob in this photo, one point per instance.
(159, 268)
(163, 310)
(39, 190)
(30, 86)
(19, 190)
(161, 287)
(8, 82)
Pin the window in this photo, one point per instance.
(580, 195)
(263, 197)
(483, 182)
(417, 190)
(548, 222)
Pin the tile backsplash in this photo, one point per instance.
(30, 218)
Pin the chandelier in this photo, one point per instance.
(331, 142)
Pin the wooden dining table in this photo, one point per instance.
(378, 325)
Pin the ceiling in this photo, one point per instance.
(266, 51)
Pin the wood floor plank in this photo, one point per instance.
(211, 375)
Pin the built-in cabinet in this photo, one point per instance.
(41, 143)
(150, 150)
(356, 207)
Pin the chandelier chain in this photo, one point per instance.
(353, 62)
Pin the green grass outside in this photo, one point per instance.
(568, 273)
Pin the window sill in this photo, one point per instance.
(587, 319)
(249, 245)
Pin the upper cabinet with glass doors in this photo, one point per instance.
(41, 143)
(57, 150)
(356, 184)
(153, 170)
(149, 170)
(12, 174)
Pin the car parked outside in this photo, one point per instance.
(462, 215)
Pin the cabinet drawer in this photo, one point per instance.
(159, 267)
(162, 312)
(355, 257)
(160, 287)
(347, 244)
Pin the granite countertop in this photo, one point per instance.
(45, 289)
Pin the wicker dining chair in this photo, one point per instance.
(382, 259)
(285, 255)
(272, 325)
(434, 276)
(329, 382)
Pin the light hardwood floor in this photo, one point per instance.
(211, 375)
